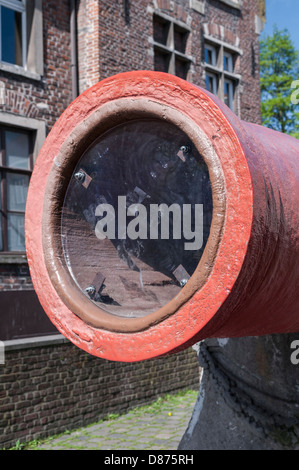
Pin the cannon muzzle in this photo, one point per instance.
(157, 218)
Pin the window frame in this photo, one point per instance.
(4, 171)
(20, 7)
(169, 48)
(215, 79)
(230, 57)
(213, 49)
(231, 92)
(33, 60)
(233, 3)
(231, 52)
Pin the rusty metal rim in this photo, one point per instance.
(102, 119)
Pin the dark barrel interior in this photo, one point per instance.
(136, 217)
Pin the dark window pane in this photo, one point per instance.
(225, 63)
(16, 146)
(1, 242)
(17, 150)
(161, 61)
(208, 56)
(229, 93)
(180, 39)
(211, 55)
(228, 62)
(11, 36)
(209, 83)
(22, 316)
(161, 30)
(181, 68)
(212, 84)
(17, 188)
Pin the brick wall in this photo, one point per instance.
(122, 32)
(47, 390)
(15, 277)
(43, 99)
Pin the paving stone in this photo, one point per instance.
(130, 432)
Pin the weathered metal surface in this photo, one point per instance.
(248, 396)
(246, 282)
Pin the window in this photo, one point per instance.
(228, 62)
(221, 77)
(229, 93)
(21, 37)
(212, 83)
(170, 46)
(211, 55)
(16, 164)
(13, 31)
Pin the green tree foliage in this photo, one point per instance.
(279, 63)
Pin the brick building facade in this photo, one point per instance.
(49, 52)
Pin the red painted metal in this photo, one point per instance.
(252, 288)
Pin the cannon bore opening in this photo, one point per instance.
(136, 216)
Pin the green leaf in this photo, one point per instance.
(279, 68)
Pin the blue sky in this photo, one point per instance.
(284, 13)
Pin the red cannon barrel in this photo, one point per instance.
(156, 218)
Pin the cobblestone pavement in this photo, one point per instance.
(136, 430)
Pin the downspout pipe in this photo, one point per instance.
(74, 57)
